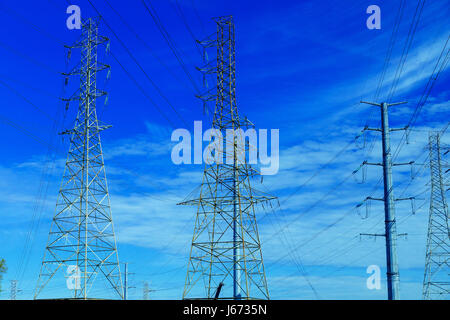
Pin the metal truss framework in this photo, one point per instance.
(226, 260)
(436, 284)
(81, 245)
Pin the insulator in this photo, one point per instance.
(404, 235)
(358, 210)
(106, 100)
(363, 174)
(364, 139)
(107, 49)
(66, 81)
(108, 74)
(413, 205)
(358, 143)
(67, 105)
(368, 208)
(407, 135)
(412, 173)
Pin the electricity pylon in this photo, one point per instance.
(390, 234)
(436, 283)
(81, 251)
(226, 250)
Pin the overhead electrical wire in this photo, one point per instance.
(145, 44)
(406, 48)
(180, 13)
(131, 55)
(387, 59)
(176, 52)
(412, 120)
(40, 110)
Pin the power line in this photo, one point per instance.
(28, 58)
(316, 203)
(407, 47)
(391, 44)
(152, 12)
(334, 223)
(180, 13)
(424, 97)
(40, 110)
(28, 22)
(158, 90)
(32, 87)
(296, 259)
(136, 83)
(146, 45)
(321, 231)
(194, 7)
(25, 131)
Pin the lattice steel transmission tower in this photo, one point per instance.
(81, 252)
(436, 283)
(226, 250)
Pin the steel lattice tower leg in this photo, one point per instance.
(225, 260)
(81, 247)
(436, 284)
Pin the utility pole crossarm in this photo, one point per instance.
(387, 104)
(372, 129)
(396, 103)
(376, 199)
(373, 234)
(371, 103)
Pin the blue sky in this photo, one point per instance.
(302, 67)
